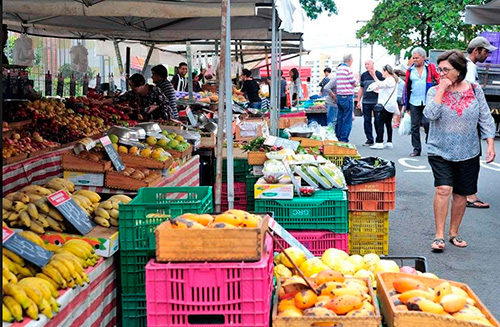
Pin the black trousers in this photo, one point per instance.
(384, 119)
(417, 119)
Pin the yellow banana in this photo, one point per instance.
(83, 200)
(4, 281)
(9, 275)
(32, 310)
(6, 214)
(91, 262)
(62, 270)
(53, 213)
(106, 205)
(85, 277)
(57, 186)
(102, 221)
(101, 212)
(13, 216)
(116, 204)
(52, 247)
(53, 283)
(7, 204)
(24, 218)
(54, 224)
(18, 293)
(71, 283)
(36, 189)
(32, 210)
(66, 182)
(42, 220)
(6, 314)
(37, 227)
(121, 197)
(71, 258)
(31, 268)
(9, 264)
(113, 222)
(43, 205)
(92, 196)
(14, 307)
(80, 252)
(19, 206)
(32, 237)
(32, 292)
(40, 284)
(12, 256)
(21, 197)
(47, 310)
(53, 304)
(33, 197)
(54, 274)
(113, 213)
(23, 271)
(68, 264)
(80, 242)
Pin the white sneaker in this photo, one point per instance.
(389, 145)
(377, 146)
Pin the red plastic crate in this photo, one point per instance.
(373, 196)
(240, 196)
(210, 294)
(317, 241)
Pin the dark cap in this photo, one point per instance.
(481, 42)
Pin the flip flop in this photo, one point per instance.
(473, 204)
(438, 245)
(456, 240)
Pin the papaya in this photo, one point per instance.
(416, 293)
(220, 225)
(291, 313)
(329, 275)
(228, 219)
(467, 307)
(468, 315)
(241, 214)
(360, 313)
(181, 223)
(458, 291)
(324, 298)
(250, 221)
(319, 312)
(362, 288)
(326, 288)
(203, 219)
(405, 284)
(305, 299)
(424, 305)
(441, 290)
(452, 303)
(285, 304)
(344, 303)
(347, 291)
(367, 306)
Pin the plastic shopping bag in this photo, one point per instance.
(405, 125)
(365, 170)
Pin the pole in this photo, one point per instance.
(360, 53)
(278, 91)
(274, 123)
(190, 69)
(146, 62)
(127, 65)
(118, 57)
(229, 111)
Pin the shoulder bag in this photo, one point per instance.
(380, 107)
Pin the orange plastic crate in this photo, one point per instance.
(373, 196)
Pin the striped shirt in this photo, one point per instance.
(168, 89)
(345, 80)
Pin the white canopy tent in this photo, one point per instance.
(488, 14)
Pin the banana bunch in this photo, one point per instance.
(14, 267)
(57, 183)
(106, 212)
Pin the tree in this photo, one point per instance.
(315, 7)
(431, 24)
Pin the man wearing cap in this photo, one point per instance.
(478, 50)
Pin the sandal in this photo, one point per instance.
(438, 245)
(478, 204)
(458, 241)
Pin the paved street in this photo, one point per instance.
(412, 223)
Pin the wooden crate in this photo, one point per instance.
(43, 151)
(150, 163)
(210, 244)
(416, 318)
(307, 143)
(208, 140)
(72, 162)
(238, 153)
(334, 148)
(119, 181)
(339, 321)
(180, 154)
(256, 158)
(11, 160)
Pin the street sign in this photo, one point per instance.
(113, 155)
(25, 248)
(71, 211)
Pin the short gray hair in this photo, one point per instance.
(420, 51)
(347, 57)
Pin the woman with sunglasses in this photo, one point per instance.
(455, 109)
(388, 100)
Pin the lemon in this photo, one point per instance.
(156, 154)
(146, 153)
(133, 150)
(151, 140)
(113, 138)
(122, 149)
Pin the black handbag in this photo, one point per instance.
(380, 107)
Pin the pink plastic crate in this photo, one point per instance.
(210, 294)
(240, 196)
(317, 241)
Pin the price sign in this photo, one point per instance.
(71, 211)
(25, 248)
(278, 141)
(278, 229)
(190, 116)
(113, 155)
(290, 173)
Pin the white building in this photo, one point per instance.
(318, 65)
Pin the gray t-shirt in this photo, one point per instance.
(331, 86)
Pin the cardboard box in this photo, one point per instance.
(250, 129)
(282, 190)
(85, 179)
(104, 240)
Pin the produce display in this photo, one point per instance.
(229, 219)
(204, 96)
(28, 291)
(24, 142)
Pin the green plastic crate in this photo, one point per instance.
(241, 169)
(137, 231)
(133, 271)
(134, 310)
(324, 210)
(251, 180)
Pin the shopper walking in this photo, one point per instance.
(331, 102)
(325, 81)
(368, 99)
(386, 107)
(455, 109)
(478, 50)
(159, 75)
(419, 78)
(345, 98)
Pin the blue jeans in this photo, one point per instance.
(367, 117)
(255, 105)
(344, 117)
(331, 115)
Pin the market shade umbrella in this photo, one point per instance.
(488, 14)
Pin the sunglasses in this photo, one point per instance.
(444, 70)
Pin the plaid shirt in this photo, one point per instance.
(154, 97)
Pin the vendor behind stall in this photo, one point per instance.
(196, 83)
(250, 89)
(179, 81)
(159, 75)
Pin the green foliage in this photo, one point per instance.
(315, 7)
(431, 24)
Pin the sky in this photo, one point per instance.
(336, 35)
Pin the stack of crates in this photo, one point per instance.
(339, 160)
(369, 206)
(240, 190)
(138, 242)
(215, 294)
(319, 222)
(251, 180)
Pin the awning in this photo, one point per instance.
(488, 14)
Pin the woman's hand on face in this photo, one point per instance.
(444, 83)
